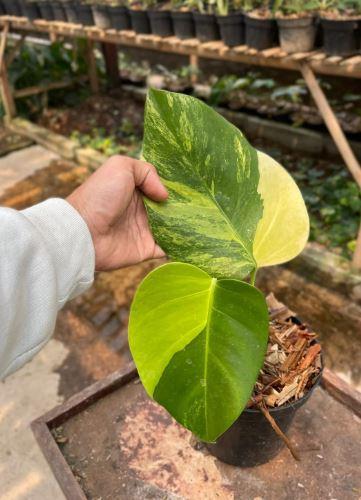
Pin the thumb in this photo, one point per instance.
(148, 181)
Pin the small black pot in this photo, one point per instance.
(46, 11)
(32, 11)
(2, 9)
(139, 21)
(232, 29)
(183, 25)
(21, 4)
(297, 35)
(260, 33)
(70, 12)
(119, 17)
(161, 22)
(340, 37)
(84, 14)
(251, 440)
(206, 27)
(12, 8)
(58, 11)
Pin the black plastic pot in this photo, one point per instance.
(21, 4)
(2, 9)
(101, 16)
(297, 35)
(58, 11)
(84, 15)
(232, 29)
(251, 440)
(260, 33)
(206, 27)
(119, 17)
(183, 24)
(32, 11)
(139, 21)
(12, 7)
(46, 11)
(70, 12)
(340, 36)
(161, 22)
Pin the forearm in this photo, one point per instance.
(46, 258)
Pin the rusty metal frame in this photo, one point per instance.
(43, 426)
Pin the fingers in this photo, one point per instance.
(148, 181)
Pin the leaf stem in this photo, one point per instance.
(252, 279)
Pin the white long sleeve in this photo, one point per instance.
(46, 258)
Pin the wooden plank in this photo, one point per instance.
(5, 87)
(331, 122)
(270, 52)
(3, 41)
(300, 56)
(38, 89)
(341, 391)
(355, 60)
(333, 60)
(318, 56)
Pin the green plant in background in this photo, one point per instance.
(292, 93)
(197, 332)
(290, 7)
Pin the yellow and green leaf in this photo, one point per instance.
(198, 344)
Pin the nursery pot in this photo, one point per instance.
(46, 11)
(232, 29)
(206, 27)
(340, 36)
(119, 18)
(183, 25)
(160, 22)
(70, 12)
(251, 440)
(260, 33)
(11, 7)
(297, 35)
(139, 21)
(32, 11)
(101, 16)
(84, 14)
(58, 11)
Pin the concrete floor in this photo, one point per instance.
(31, 391)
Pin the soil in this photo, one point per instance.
(263, 13)
(103, 112)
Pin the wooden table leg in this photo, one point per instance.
(92, 67)
(5, 88)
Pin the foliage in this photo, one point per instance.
(288, 7)
(198, 334)
(293, 93)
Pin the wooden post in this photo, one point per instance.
(331, 122)
(92, 67)
(338, 136)
(356, 260)
(110, 52)
(194, 62)
(5, 88)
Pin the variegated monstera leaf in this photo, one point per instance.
(197, 334)
(231, 209)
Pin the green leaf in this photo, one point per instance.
(211, 172)
(198, 344)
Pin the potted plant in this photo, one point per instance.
(138, 15)
(160, 19)
(261, 27)
(12, 7)
(32, 11)
(119, 15)
(58, 10)
(46, 10)
(101, 14)
(205, 20)
(339, 21)
(198, 332)
(231, 22)
(70, 11)
(296, 24)
(84, 13)
(183, 22)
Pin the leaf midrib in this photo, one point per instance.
(206, 349)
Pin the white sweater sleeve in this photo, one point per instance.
(46, 258)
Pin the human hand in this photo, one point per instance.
(111, 204)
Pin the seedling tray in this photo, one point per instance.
(111, 441)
